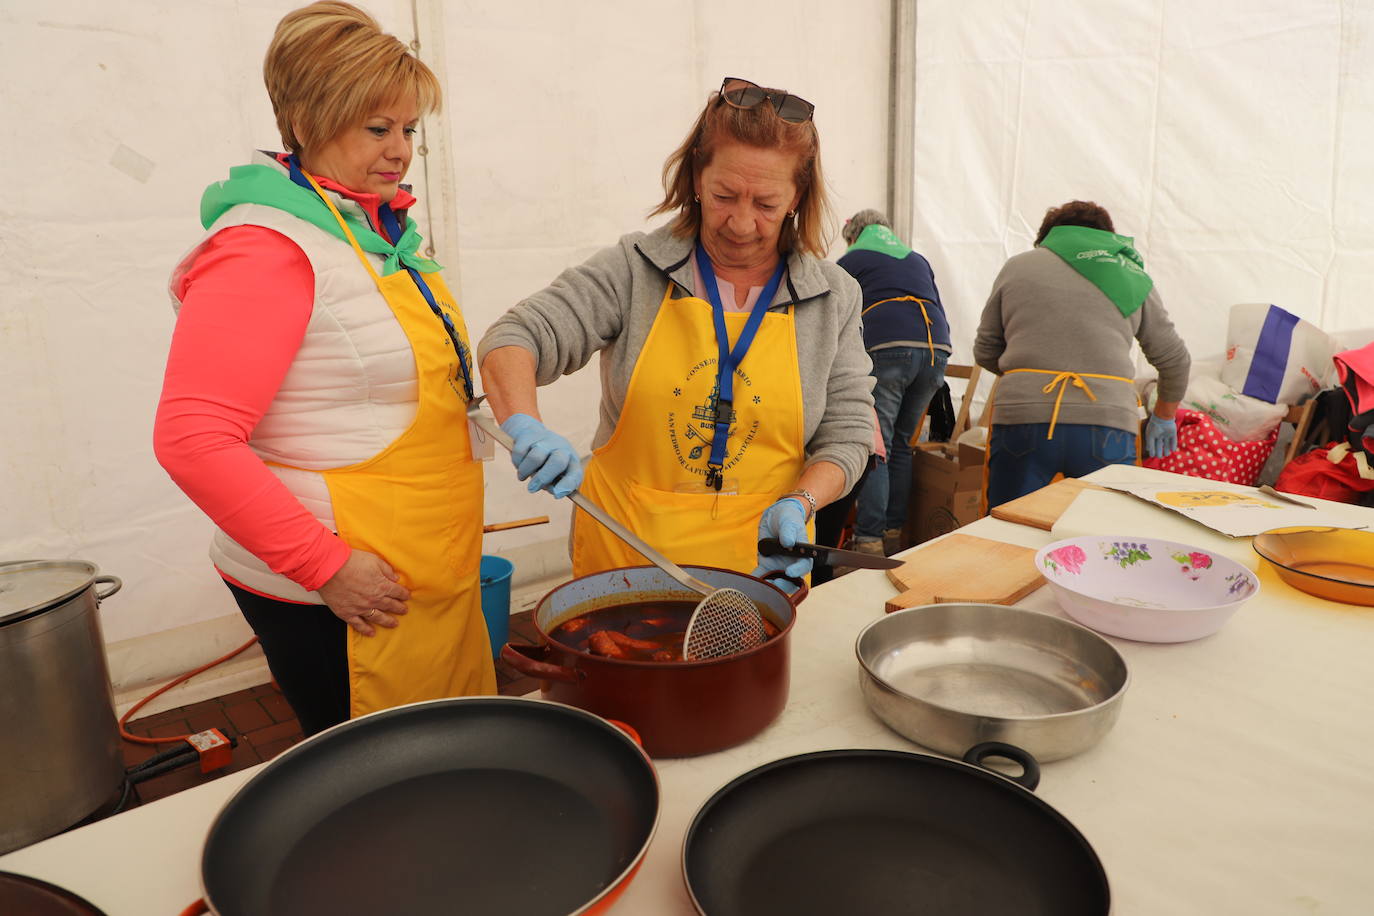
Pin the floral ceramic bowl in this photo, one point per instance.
(1143, 588)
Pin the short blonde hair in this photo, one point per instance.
(330, 66)
(759, 126)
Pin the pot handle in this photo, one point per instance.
(519, 658)
(196, 909)
(795, 598)
(107, 580)
(1030, 767)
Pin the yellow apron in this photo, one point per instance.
(1061, 380)
(418, 505)
(925, 315)
(651, 473)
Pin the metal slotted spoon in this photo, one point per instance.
(725, 622)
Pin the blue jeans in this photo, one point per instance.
(906, 381)
(1021, 460)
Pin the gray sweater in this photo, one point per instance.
(609, 303)
(1043, 314)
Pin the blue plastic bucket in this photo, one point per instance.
(495, 573)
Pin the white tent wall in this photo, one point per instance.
(556, 122)
(1231, 138)
(561, 116)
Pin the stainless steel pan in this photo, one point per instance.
(950, 676)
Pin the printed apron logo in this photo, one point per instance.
(457, 377)
(691, 418)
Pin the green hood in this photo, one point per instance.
(1107, 260)
(880, 239)
(271, 187)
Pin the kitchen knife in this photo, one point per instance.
(831, 556)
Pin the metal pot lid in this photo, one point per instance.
(31, 585)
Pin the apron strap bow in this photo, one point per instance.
(925, 316)
(1062, 380)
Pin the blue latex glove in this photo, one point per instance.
(786, 521)
(540, 454)
(1161, 437)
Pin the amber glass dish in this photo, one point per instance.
(1332, 563)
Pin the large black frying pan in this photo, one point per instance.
(472, 805)
(859, 832)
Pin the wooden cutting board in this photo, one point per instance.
(962, 567)
(1042, 508)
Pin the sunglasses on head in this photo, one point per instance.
(739, 93)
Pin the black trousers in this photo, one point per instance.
(307, 651)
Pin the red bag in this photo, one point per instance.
(1335, 472)
(1205, 451)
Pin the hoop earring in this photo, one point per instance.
(696, 197)
(791, 213)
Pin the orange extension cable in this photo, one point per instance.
(172, 739)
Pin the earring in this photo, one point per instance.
(696, 197)
(791, 213)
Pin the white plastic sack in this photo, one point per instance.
(1275, 356)
(974, 437)
(1241, 418)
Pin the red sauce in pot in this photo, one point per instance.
(649, 631)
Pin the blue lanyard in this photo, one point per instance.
(728, 360)
(392, 225)
(393, 229)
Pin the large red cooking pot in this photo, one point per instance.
(680, 709)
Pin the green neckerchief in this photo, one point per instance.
(1107, 260)
(262, 184)
(880, 239)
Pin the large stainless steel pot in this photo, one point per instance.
(680, 709)
(950, 676)
(62, 757)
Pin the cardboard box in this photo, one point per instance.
(971, 455)
(945, 493)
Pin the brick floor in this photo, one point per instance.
(262, 722)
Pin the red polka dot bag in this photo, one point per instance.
(1205, 451)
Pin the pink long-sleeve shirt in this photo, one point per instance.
(246, 302)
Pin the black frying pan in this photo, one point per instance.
(859, 832)
(472, 805)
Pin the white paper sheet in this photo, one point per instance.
(1232, 510)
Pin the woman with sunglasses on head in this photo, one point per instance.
(315, 394)
(735, 386)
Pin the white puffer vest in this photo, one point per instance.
(350, 391)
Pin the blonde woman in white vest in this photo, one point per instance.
(315, 391)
